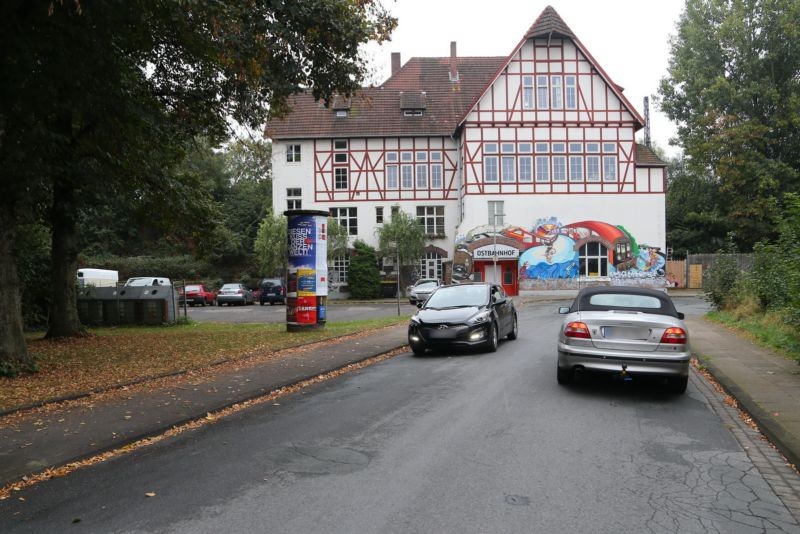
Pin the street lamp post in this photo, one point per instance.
(494, 239)
(397, 265)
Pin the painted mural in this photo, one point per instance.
(557, 255)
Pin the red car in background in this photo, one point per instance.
(197, 294)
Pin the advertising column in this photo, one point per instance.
(307, 273)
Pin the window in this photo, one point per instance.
(407, 177)
(340, 178)
(340, 144)
(490, 169)
(542, 169)
(422, 156)
(609, 148)
(490, 148)
(525, 169)
(496, 215)
(541, 92)
(436, 156)
(391, 177)
(527, 92)
(341, 113)
(407, 156)
(347, 217)
(559, 147)
(525, 148)
(556, 101)
(339, 269)
(575, 148)
(431, 218)
(391, 157)
(609, 168)
(422, 176)
(395, 210)
(593, 259)
(292, 153)
(436, 176)
(431, 266)
(340, 158)
(379, 214)
(507, 148)
(293, 200)
(542, 148)
(559, 168)
(593, 168)
(575, 168)
(508, 174)
(412, 113)
(594, 148)
(571, 92)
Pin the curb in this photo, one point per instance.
(786, 443)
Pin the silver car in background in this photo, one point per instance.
(625, 331)
(234, 294)
(422, 289)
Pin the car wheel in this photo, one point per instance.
(514, 329)
(494, 340)
(418, 349)
(564, 376)
(272, 303)
(678, 384)
(219, 304)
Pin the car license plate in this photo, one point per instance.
(626, 332)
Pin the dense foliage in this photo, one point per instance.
(402, 238)
(733, 87)
(364, 277)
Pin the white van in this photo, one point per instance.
(97, 278)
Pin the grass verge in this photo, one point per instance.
(767, 329)
(114, 356)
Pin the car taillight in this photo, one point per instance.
(674, 335)
(577, 329)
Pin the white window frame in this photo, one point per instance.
(571, 92)
(347, 218)
(437, 176)
(339, 269)
(542, 91)
(609, 168)
(527, 92)
(422, 176)
(431, 259)
(378, 214)
(340, 184)
(294, 199)
(431, 218)
(496, 213)
(293, 153)
(392, 177)
(575, 168)
(340, 144)
(508, 169)
(407, 177)
(490, 170)
(525, 168)
(592, 168)
(559, 168)
(542, 169)
(556, 95)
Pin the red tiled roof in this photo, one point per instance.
(376, 111)
(647, 158)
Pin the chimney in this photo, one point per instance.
(395, 62)
(453, 62)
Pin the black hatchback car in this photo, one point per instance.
(464, 315)
(272, 291)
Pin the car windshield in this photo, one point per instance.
(230, 286)
(139, 282)
(458, 296)
(426, 286)
(192, 288)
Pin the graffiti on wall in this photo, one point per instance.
(553, 251)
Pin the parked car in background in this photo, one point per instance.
(625, 331)
(464, 315)
(196, 294)
(422, 289)
(143, 281)
(234, 294)
(272, 290)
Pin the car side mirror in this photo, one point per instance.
(563, 309)
(681, 315)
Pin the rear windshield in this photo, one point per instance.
(230, 286)
(192, 288)
(625, 301)
(270, 283)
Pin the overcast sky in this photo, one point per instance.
(628, 38)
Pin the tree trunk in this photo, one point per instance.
(13, 349)
(64, 321)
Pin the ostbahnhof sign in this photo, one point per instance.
(503, 252)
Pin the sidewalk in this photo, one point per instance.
(766, 385)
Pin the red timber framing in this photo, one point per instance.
(357, 169)
(551, 123)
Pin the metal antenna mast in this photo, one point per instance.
(647, 121)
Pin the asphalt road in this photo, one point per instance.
(449, 443)
(338, 311)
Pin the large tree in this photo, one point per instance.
(733, 87)
(98, 99)
(402, 239)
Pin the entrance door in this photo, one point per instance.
(492, 273)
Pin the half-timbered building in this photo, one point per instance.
(522, 169)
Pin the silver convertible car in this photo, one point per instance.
(626, 331)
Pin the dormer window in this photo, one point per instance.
(413, 103)
(341, 113)
(341, 106)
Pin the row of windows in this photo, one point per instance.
(575, 168)
(431, 218)
(293, 152)
(558, 147)
(549, 92)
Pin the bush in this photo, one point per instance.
(364, 277)
(723, 280)
(174, 267)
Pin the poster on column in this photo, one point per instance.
(307, 272)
